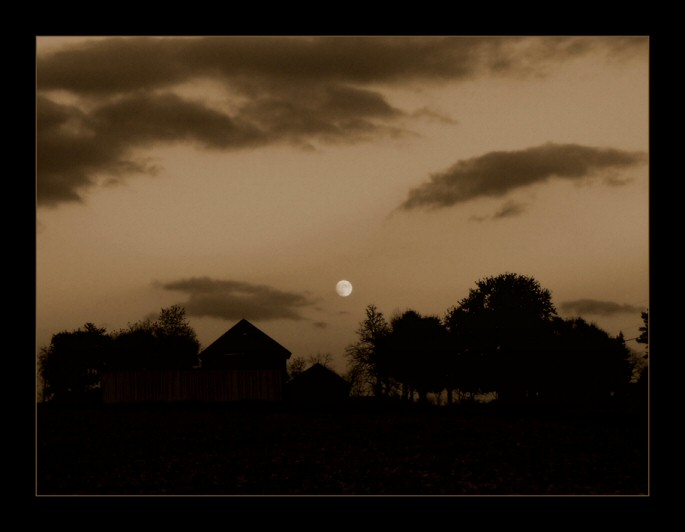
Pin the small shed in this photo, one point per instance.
(317, 384)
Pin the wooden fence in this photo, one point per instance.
(218, 385)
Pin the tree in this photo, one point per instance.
(324, 359)
(169, 342)
(414, 354)
(498, 332)
(643, 378)
(178, 346)
(72, 364)
(363, 355)
(133, 348)
(43, 354)
(644, 332)
(296, 365)
(585, 365)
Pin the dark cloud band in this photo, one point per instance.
(233, 300)
(497, 173)
(117, 65)
(595, 307)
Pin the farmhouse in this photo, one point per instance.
(244, 364)
(318, 384)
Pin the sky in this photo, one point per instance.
(245, 176)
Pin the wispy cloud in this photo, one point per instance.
(497, 173)
(595, 307)
(232, 300)
(508, 209)
(125, 95)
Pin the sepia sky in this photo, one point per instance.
(243, 177)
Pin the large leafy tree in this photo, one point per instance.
(415, 354)
(169, 342)
(178, 345)
(134, 348)
(499, 332)
(585, 364)
(72, 364)
(363, 356)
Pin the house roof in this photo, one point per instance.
(317, 373)
(245, 338)
(318, 385)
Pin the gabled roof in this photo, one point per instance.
(318, 384)
(245, 338)
(319, 373)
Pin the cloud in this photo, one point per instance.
(69, 155)
(75, 148)
(507, 210)
(435, 116)
(162, 118)
(119, 65)
(593, 306)
(497, 173)
(233, 300)
(320, 324)
(103, 102)
(325, 112)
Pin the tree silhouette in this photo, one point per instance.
(324, 359)
(166, 343)
(72, 364)
(178, 346)
(363, 355)
(586, 365)
(644, 332)
(499, 333)
(415, 354)
(134, 348)
(643, 379)
(295, 366)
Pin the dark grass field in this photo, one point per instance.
(355, 449)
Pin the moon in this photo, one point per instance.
(344, 288)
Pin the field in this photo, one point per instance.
(355, 449)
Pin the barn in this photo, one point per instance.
(244, 346)
(317, 384)
(244, 364)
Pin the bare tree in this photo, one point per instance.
(324, 359)
(363, 355)
(296, 365)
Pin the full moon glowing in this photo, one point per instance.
(344, 288)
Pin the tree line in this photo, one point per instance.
(72, 365)
(505, 338)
